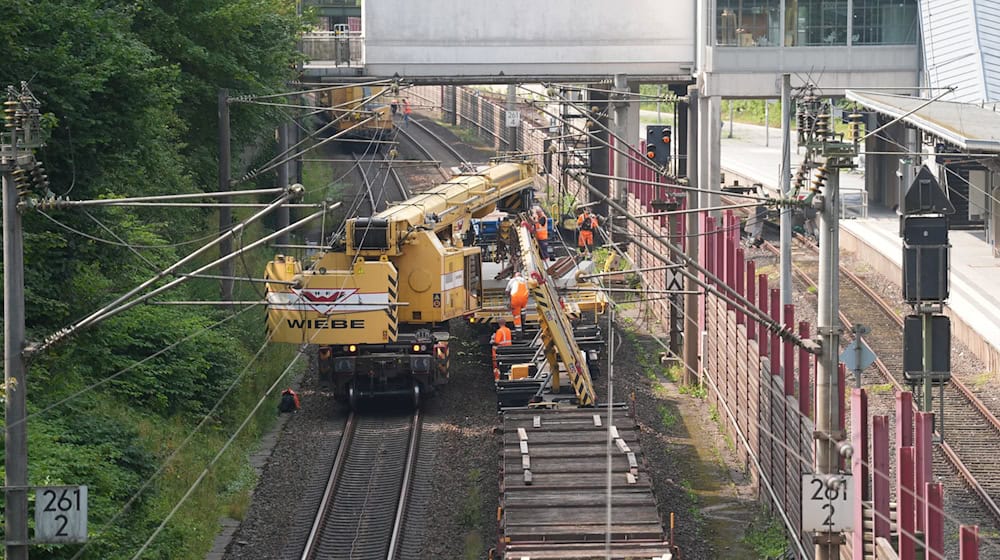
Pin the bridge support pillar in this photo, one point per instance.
(600, 154)
(450, 105)
(709, 160)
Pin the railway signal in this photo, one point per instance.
(658, 140)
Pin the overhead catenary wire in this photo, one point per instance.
(733, 297)
(176, 451)
(122, 303)
(218, 455)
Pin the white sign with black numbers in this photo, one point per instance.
(827, 503)
(513, 119)
(61, 514)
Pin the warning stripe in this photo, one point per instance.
(390, 310)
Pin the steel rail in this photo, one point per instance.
(359, 164)
(952, 456)
(404, 492)
(423, 149)
(331, 487)
(451, 149)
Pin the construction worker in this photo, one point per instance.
(289, 401)
(517, 294)
(407, 110)
(542, 233)
(585, 226)
(501, 337)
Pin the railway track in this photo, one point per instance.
(972, 432)
(419, 136)
(376, 190)
(364, 504)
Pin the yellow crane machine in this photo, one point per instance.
(378, 301)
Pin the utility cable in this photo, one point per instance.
(219, 455)
(130, 367)
(208, 415)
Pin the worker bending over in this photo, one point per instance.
(517, 293)
(501, 337)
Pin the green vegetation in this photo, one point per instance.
(128, 94)
(696, 391)
(880, 389)
(667, 417)
(766, 535)
(471, 515)
(752, 111)
(983, 379)
(811, 289)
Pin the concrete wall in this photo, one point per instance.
(552, 38)
(756, 72)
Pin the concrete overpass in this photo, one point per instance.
(731, 48)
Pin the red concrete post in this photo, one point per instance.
(905, 500)
(934, 521)
(904, 419)
(968, 542)
(880, 479)
(923, 464)
(859, 469)
(751, 295)
(788, 361)
(774, 310)
(720, 250)
(762, 302)
(738, 281)
(805, 394)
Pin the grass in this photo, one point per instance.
(812, 290)
(668, 419)
(766, 536)
(696, 391)
(983, 379)
(880, 389)
(470, 516)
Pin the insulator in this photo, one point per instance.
(820, 180)
(854, 126)
(822, 129)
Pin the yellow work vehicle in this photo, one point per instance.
(378, 302)
(357, 112)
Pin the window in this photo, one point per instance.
(884, 22)
(815, 23)
(748, 23)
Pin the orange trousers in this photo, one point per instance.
(518, 301)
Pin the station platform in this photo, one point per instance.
(974, 305)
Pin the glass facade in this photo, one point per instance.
(816, 23)
(748, 23)
(758, 23)
(884, 22)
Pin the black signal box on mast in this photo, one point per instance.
(659, 138)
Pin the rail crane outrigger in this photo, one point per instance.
(377, 301)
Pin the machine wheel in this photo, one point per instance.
(352, 398)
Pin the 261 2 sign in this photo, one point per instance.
(61, 514)
(827, 503)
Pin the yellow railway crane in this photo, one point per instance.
(378, 301)
(562, 353)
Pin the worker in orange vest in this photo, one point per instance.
(517, 292)
(501, 337)
(585, 226)
(407, 110)
(542, 233)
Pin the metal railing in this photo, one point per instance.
(333, 48)
(854, 204)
